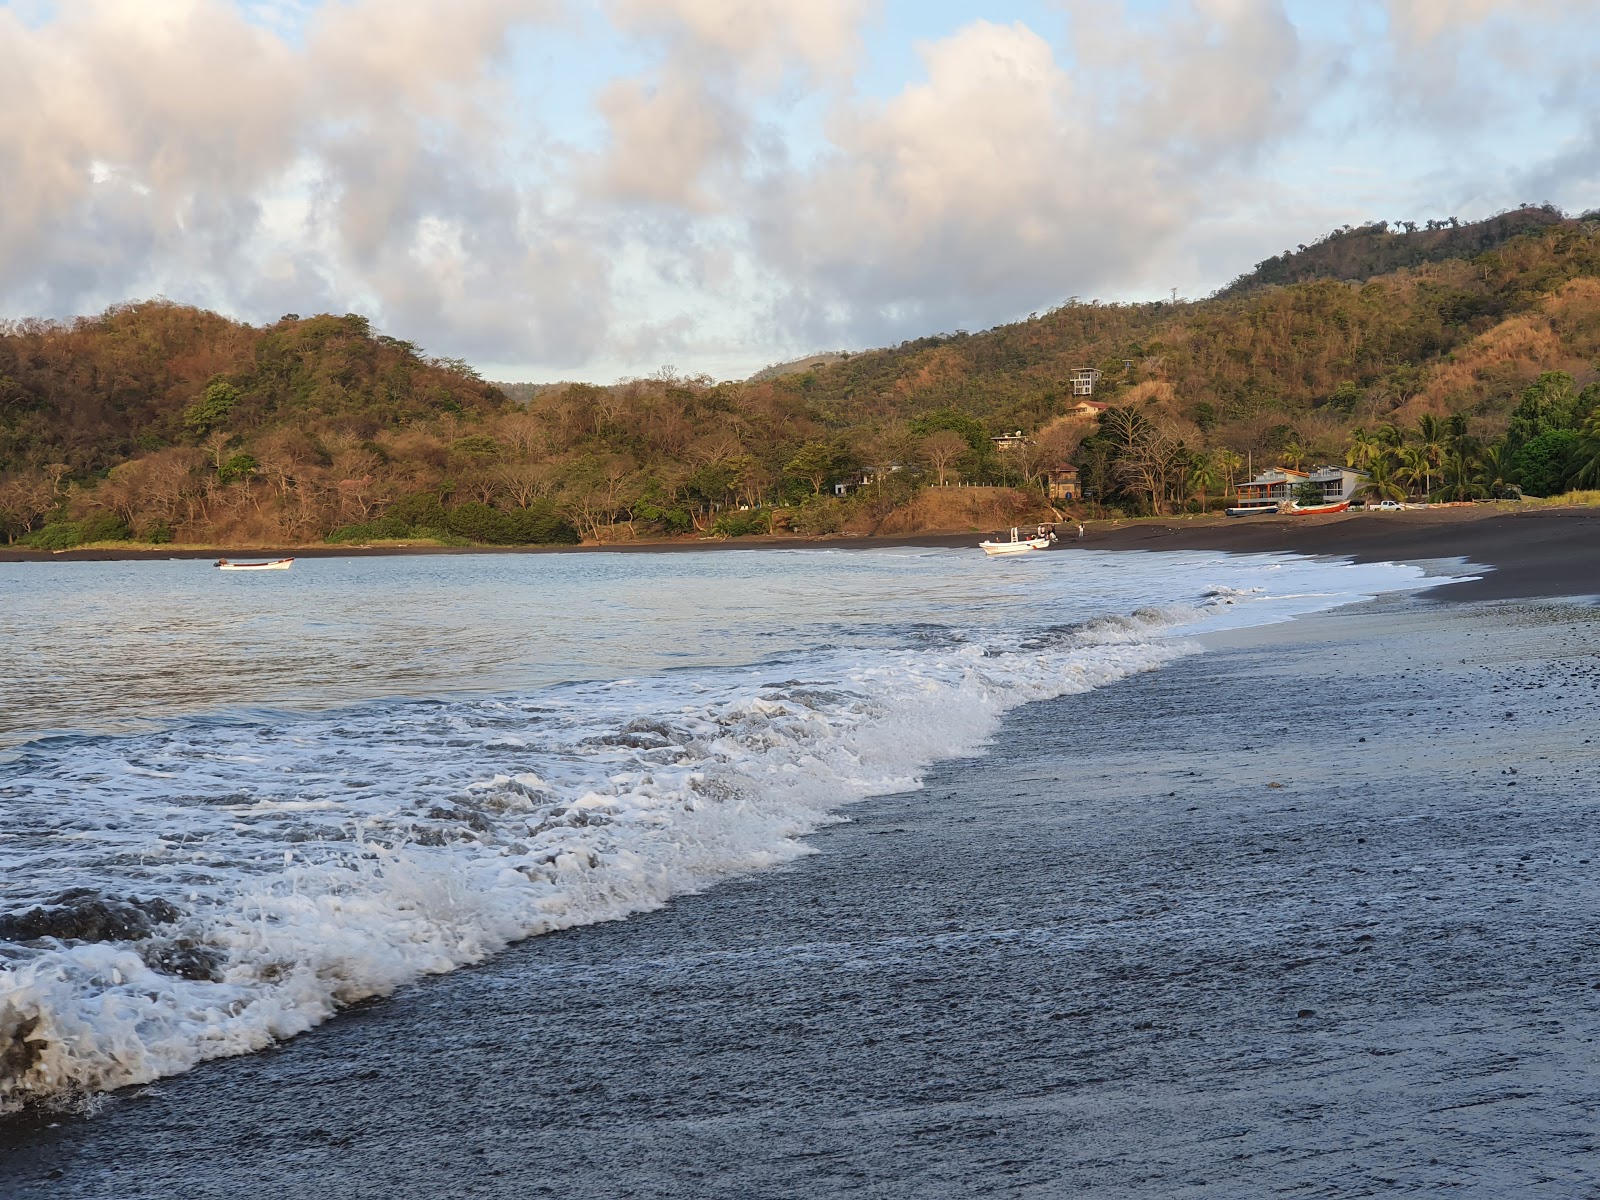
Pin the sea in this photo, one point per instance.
(232, 804)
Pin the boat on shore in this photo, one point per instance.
(1312, 510)
(1018, 544)
(1254, 510)
(277, 564)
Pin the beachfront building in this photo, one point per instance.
(1338, 483)
(1062, 483)
(1271, 488)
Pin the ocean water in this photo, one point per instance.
(231, 804)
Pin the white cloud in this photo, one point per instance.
(381, 155)
(1002, 181)
(148, 142)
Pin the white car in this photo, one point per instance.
(1388, 506)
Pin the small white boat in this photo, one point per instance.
(1019, 544)
(277, 564)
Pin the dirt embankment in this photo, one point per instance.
(956, 510)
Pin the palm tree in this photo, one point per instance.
(1205, 478)
(1294, 452)
(1391, 436)
(1365, 448)
(1228, 462)
(1431, 438)
(1383, 482)
(1415, 468)
(1460, 482)
(1494, 469)
(1586, 454)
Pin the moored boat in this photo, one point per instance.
(1019, 544)
(277, 564)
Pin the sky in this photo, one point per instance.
(558, 190)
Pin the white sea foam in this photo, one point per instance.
(269, 870)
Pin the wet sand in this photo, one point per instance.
(1312, 911)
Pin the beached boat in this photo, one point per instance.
(1312, 510)
(1254, 510)
(277, 564)
(1019, 544)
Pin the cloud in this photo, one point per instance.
(1003, 179)
(718, 173)
(359, 157)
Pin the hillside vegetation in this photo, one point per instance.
(1454, 369)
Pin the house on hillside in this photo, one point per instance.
(1083, 380)
(861, 479)
(1271, 488)
(1008, 441)
(1087, 410)
(1062, 483)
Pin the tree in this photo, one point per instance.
(1544, 463)
(816, 463)
(1205, 478)
(1548, 404)
(941, 450)
(1383, 482)
(1414, 468)
(1365, 448)
(1585, 460)
(213, 407)
(1495, 471)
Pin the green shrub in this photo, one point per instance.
(741, 524)
(478, 522)
(1543, 463)
(240, 466)
(540, 525)
(159, 533)
(63, 535)
(382, 529)
(419, 509)
(103, 527)
(819, 516)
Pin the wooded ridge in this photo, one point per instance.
(1416, 353)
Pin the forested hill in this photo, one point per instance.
(160, 421)
(1359, 252)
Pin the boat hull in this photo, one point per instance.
(1314, 510)
(282, 564)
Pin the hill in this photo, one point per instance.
(1364, 251)
(162, 421)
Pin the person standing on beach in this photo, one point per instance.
(1080, 529)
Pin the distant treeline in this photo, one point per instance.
(162, 422)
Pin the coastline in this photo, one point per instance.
(1185, 944)
(1528, 551)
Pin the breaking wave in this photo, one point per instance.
(223, 882)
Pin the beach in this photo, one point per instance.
(1308, 911)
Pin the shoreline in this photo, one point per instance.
(1158, 954)
(1528, 553)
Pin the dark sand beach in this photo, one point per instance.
(1310, 912)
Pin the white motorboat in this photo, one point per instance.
(1019, 544)
(277, 564)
